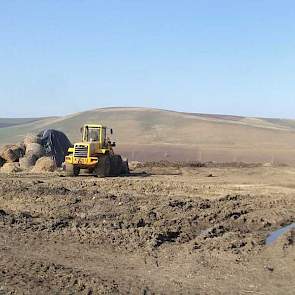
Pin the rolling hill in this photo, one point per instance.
(8, 122)
(153, 134)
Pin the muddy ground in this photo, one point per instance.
(162, 230)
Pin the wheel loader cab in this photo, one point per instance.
(96, 134)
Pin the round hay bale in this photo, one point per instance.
(31, 138)
(2, 162)
(28, 161)
(18, 150)
(12, 153)
(35, 149)
(22, 146)
(44, 164)
(4, 147)
(10, 168)
(9, 156)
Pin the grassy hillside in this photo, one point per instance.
(7, 122)
(159, 134)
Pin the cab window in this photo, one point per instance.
(93, 134)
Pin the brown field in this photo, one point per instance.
(163, 230)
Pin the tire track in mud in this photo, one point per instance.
(64, 267)
(124, 232)
(132, 221)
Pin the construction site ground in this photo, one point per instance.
(161, 230)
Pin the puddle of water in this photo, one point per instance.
(277, 233)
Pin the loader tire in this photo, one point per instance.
(72, 170)
(90, 170)
(103, 167)
(125, 168)
(116, 165)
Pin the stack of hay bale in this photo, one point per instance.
(9, 157)
(28, 155)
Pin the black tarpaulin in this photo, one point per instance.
(56, 144)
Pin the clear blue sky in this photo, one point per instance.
(211, 56)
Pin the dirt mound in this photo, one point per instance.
(28, 161)
(44, 164)
(284, 243)
(12, 153)
(10, 168)
(232, 165)
(193, 164)
(134, 164)
(167, 164)
(288, 239)
(31, 138)
(35, 149)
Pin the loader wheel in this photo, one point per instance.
(125, 168)
(91, 170)
(103, 167)
(72, 170)
(116, 165)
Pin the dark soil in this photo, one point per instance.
(138, 235)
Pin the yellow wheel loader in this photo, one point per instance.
(95, 153)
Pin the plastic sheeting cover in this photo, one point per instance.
(56, 144)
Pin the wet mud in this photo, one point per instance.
(168, 230)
